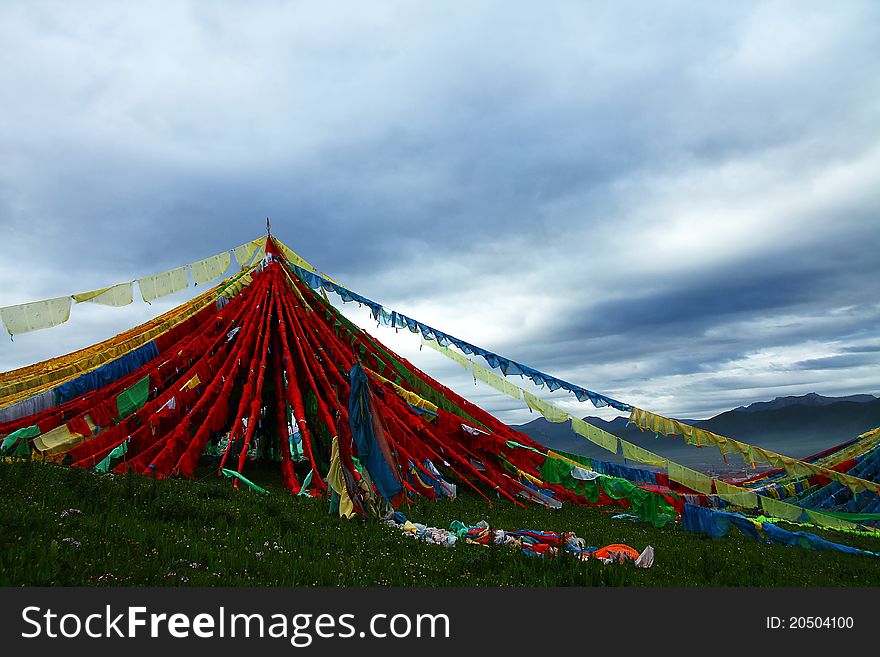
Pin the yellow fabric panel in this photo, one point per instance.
(296, 291)
(208, 269)
(336, 481)
(408, 395)
(531, 478)
(36, 315)
(865, 442)
(780, 509)
(594, 434)
(481, 374)
(773, 458)
(57, 441)
(115, 295)
(161, 285)
(636, 453)
(449, 353)
(237, 286)
(647, 421)
(245, 253)
(798, 469)
(294, 258)
(499, 383)
(192, 383)
(691, 478)
(34, 379)
(823, 520)
(751, 454)
(724, 445)
(549, 411)
(735, 495)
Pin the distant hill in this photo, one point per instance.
(810, 399)
(794, 426)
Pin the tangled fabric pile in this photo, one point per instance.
(533, 543)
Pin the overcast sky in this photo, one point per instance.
(676, 204)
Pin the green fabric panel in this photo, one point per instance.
(859, 532)
(852, 517)
(585, 461)
(513, 443)
(128, 401)
(557, 471)
(648, 506)
(458, 527)
(305, 484)
(334, 503)
(507, 465)
(118, 451)
(19, 440)
(244, 480)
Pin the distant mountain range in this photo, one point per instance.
(810, 399)
(794, 426)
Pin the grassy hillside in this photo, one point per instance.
(134, 531)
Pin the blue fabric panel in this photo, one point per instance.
(107, 373)
(361, 424)
(701, 520)
(745, 525)
(807, 540)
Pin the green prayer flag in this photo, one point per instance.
(305, 484)
(128, 401)
(118, 451)
(19, 441)
(244, 480)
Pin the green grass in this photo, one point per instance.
(137, 532)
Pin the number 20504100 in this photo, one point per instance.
(810, 623)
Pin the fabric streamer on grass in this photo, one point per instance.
(716, 524)
(244, 480)
(647, 505)
(531, 542)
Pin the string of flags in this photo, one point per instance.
(37, 315)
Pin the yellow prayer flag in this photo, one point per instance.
(780, 509)
(35, 315)
(336, 481)
(57, 441)
(691, 478)
(594, 434)
(161, 285)
(294, 259)
(636, 453)
(499, 383)
(737, 496)
(825, 520)
(548, 410)
(211, 268)
(115, 295)
(245, 253)
(192, 383)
